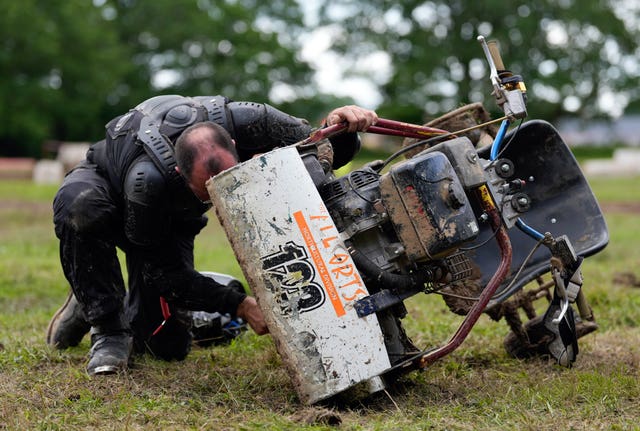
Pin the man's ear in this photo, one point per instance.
(234, 142)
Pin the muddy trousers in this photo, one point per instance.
(88, 223)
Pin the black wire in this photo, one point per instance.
(355, 190)
(504, 147)
(482, 244)
(515, 278)
(411, 147)
(524, 263)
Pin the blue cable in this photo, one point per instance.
(232, 324)
(497, 142)
(495, 150)
(529, 230)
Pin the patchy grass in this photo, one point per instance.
(245, 387)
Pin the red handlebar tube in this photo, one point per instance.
(382, 127)
(497, 279)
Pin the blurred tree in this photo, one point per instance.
(244, 49)
(58, 62)
(69, 67)
(577, 57)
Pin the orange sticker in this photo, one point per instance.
(320, 264)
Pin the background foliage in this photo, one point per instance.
(577, 57)
(68, 67)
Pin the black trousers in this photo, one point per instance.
(89, 224)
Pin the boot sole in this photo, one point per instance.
(54, 320)
(55, 317)
(105, 370)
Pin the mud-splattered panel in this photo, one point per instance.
(301, 273)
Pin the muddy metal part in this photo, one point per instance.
(533, 338)
(561, 203)
(428, 206)
(528, 338)
(461, 296)
(301, 274)
(459, 119)
(488, 292)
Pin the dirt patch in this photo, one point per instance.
(26, 206)
(317, 416)
(619, 346)
(627, 279)
(621, 207)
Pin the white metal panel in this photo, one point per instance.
(301, 273)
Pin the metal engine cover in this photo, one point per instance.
(301, 273)
(428, 206)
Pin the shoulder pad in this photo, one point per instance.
(181, 116)
(144, 184)
(216, 107)
(159, 149)
(157, 106)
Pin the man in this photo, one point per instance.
(135, 193)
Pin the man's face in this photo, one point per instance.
(209, 163)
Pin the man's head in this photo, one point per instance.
(202, 151)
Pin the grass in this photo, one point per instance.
(245, 387)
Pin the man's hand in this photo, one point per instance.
(249, 311)
(357, 118)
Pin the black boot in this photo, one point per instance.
(111, 347)
(68, 325)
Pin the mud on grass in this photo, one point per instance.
(219, 388)
(245, 387)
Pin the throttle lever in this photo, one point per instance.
(493, 70)
(510, 96)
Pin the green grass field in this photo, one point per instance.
(245, 387)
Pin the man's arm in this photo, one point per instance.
(258, 128)
(155, 237)
(346, 145)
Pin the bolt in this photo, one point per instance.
(523, 201)
(505, 167)
(484, 217)
(531, 179)
(553, 220)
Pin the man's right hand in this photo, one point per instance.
(250, 312)
(358, 119)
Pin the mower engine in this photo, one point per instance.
(404, 227)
